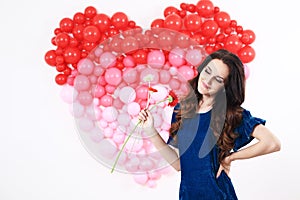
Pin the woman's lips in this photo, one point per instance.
(205, 85)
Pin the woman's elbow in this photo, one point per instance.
(275, 145)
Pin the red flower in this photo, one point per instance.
(172, 98)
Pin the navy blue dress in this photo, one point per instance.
(199, 157)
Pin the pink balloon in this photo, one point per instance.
(132, 164)
(109, 114)
(93, 79)
(177, 57)
(133, 108)
(68, 94)
(103, 123)
(164, 76)
(76, 109)
(85, 98)
(174, 84)
(186, 72)
(98, 71)
(130, 75)
(118, 137)
(194, 57)
(149, 75)
(85, 124)
(154, 175)
(106, 100)
(128, 62)
(85, 66)
(146, 164)
(110, 89)
(127, 94)
(123, 119)
(81, 82)
(108, 132)
(107, 148)
(117, 103)
(142, 92)
(99, 91)
(113, 76)
(140, 178)
(107, 59)
(151, 183)
(156, 59)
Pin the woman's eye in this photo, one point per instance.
(207, 71)
(219, 80)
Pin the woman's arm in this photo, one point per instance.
(267, 143)
(168, 153)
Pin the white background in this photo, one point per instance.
(41, 155)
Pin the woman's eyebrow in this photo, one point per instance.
(217, 75)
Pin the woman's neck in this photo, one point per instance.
(205, 104)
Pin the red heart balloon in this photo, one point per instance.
(106, 64)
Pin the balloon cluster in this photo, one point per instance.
(105, 65)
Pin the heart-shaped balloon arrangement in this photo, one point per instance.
(106, 64)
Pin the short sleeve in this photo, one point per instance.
(171, 140)
(245, 129)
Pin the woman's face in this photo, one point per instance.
(212, 77)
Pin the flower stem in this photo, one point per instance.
(127, 139)
(124, 144)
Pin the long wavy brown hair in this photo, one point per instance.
(227, 110)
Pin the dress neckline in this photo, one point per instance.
(203, 113)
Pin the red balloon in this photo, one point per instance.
(246, 54)
(140, 56)
(78, 32)
(91, 34)
(129, 44)
(119, 20)
(157, 23)
(192, 22)
(50, 57)
(88, 46)
(248, 37)
(233, 44)
(90, 12)
(199, 38)
(102, 22)
(170, 10)
(156, 26)
(72, 55)
(61, 79)
(205, 8)
(173, 22)
(79, 18)
(165, 38)
(115, 44)
(209, 28)
(66, 25)
(62, 40)
(183, 40)
(223, 19)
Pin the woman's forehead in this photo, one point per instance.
(218, 67)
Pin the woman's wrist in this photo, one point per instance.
(150, 131)
(232, 157)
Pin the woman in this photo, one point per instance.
(209, 128)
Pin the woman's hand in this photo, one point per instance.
(225, 165)
(147, 121)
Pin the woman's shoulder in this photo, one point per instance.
(245, 128)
